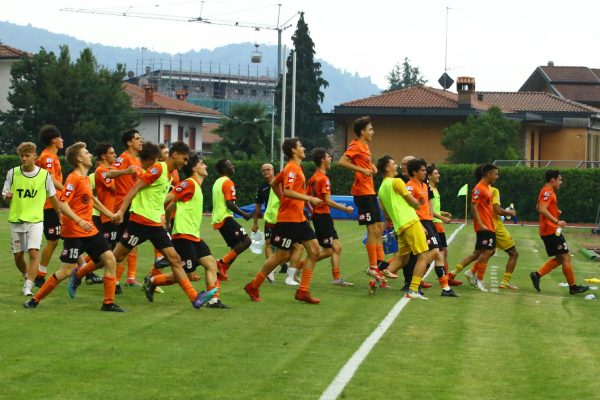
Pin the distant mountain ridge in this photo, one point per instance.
(343, 86)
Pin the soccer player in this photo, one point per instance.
(400, 206)
(188, 199)
(439, 217)
(551, 233)
(482, 208)
(319, 186)
(146, 221)
(26, 188)
(292, 226)
(126, 171)
(263, 197)
(79, 233)
(357, 158)
(48, 160)
(416, 186)
(223, 199)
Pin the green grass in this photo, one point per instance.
(521, 344)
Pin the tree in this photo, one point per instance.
(85, 101)
(404, 76)
(309, 82)
(483, 138)
(246, 133)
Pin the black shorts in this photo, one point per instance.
(94, 246)
(324, 230)
(232, 232)
(136, 234)
(433, 240)
(555, 245)
(285, 234)
(51, 224)
(269, 230)
(97, 222)
(191, 252)
(368, 209)
(123, 225)
(486, 240)
(110, 232)
(443, 241)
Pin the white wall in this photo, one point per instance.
(5, 84)
(149, 128)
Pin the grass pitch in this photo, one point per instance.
(518, 344)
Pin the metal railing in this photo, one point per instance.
(548, 163)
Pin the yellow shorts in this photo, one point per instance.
(503, 239)
(412, 240)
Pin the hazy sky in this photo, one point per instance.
(498, 43)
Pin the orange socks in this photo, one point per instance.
(372, 254)
(163, 280)
(258, 280)
(548, 267)
(188, 289)
(444, 281)
(380, 254)
(305, 281)
(120, 269)
(132, 264)
(230, 257)
(109, 289)
(154, 272)
(89, 268)
(46, 289)
(481, 267)
(336, 273)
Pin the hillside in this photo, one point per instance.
(343, 86)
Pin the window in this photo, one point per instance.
(192, 138)
(167, 134)
(253, 92)
(180, 133)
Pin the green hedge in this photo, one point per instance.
(578, 198)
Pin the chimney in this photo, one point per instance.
(149, 93)
(551, 63)
(465, 87)
(181, 94)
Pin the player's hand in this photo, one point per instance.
(561, 223)
(247, 216)
(374, 169)
(314, 201)
(512, 213)
(131, 170)
(118, 218)
(446, 220)
(86, 226)
(367, 172)
(254, 227)
(349, 209)
(8, 195)
(446, 214)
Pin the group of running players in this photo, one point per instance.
(138, 196)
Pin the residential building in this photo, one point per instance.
(412, 121)
(165, 119)
(8, 56)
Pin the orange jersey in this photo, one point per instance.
(319, 186)
(228, 189)
(360, 155)
(418, 190)
(547, 196)
(49, 161)
(292, 210)
(105, 190)
(78, 195)
(124, 183)
(481, 198)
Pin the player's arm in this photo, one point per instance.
(445, 219)
(287, 192)
(6, 193)
(329, 201)
(66, 210)
(55, 204)
(543, 209)
(257, 207)
(346, 162)
(501, 211)
(477, 217)
(139, 184)
(276, 186)
(100, 207)
(115, 173)
(169, 210)
(401, 190)
(234, 208)
(57, 184)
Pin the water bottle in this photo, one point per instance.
(558, 231)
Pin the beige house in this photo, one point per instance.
(412, 121)
(8, 56)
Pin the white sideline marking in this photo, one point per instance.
(347, 372)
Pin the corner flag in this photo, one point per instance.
(463, 190)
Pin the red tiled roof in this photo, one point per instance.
(7, 52)
(534, 102)
(570, 74)
(579, 92)
(208, 136)
(162, 102)
(415, 97)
